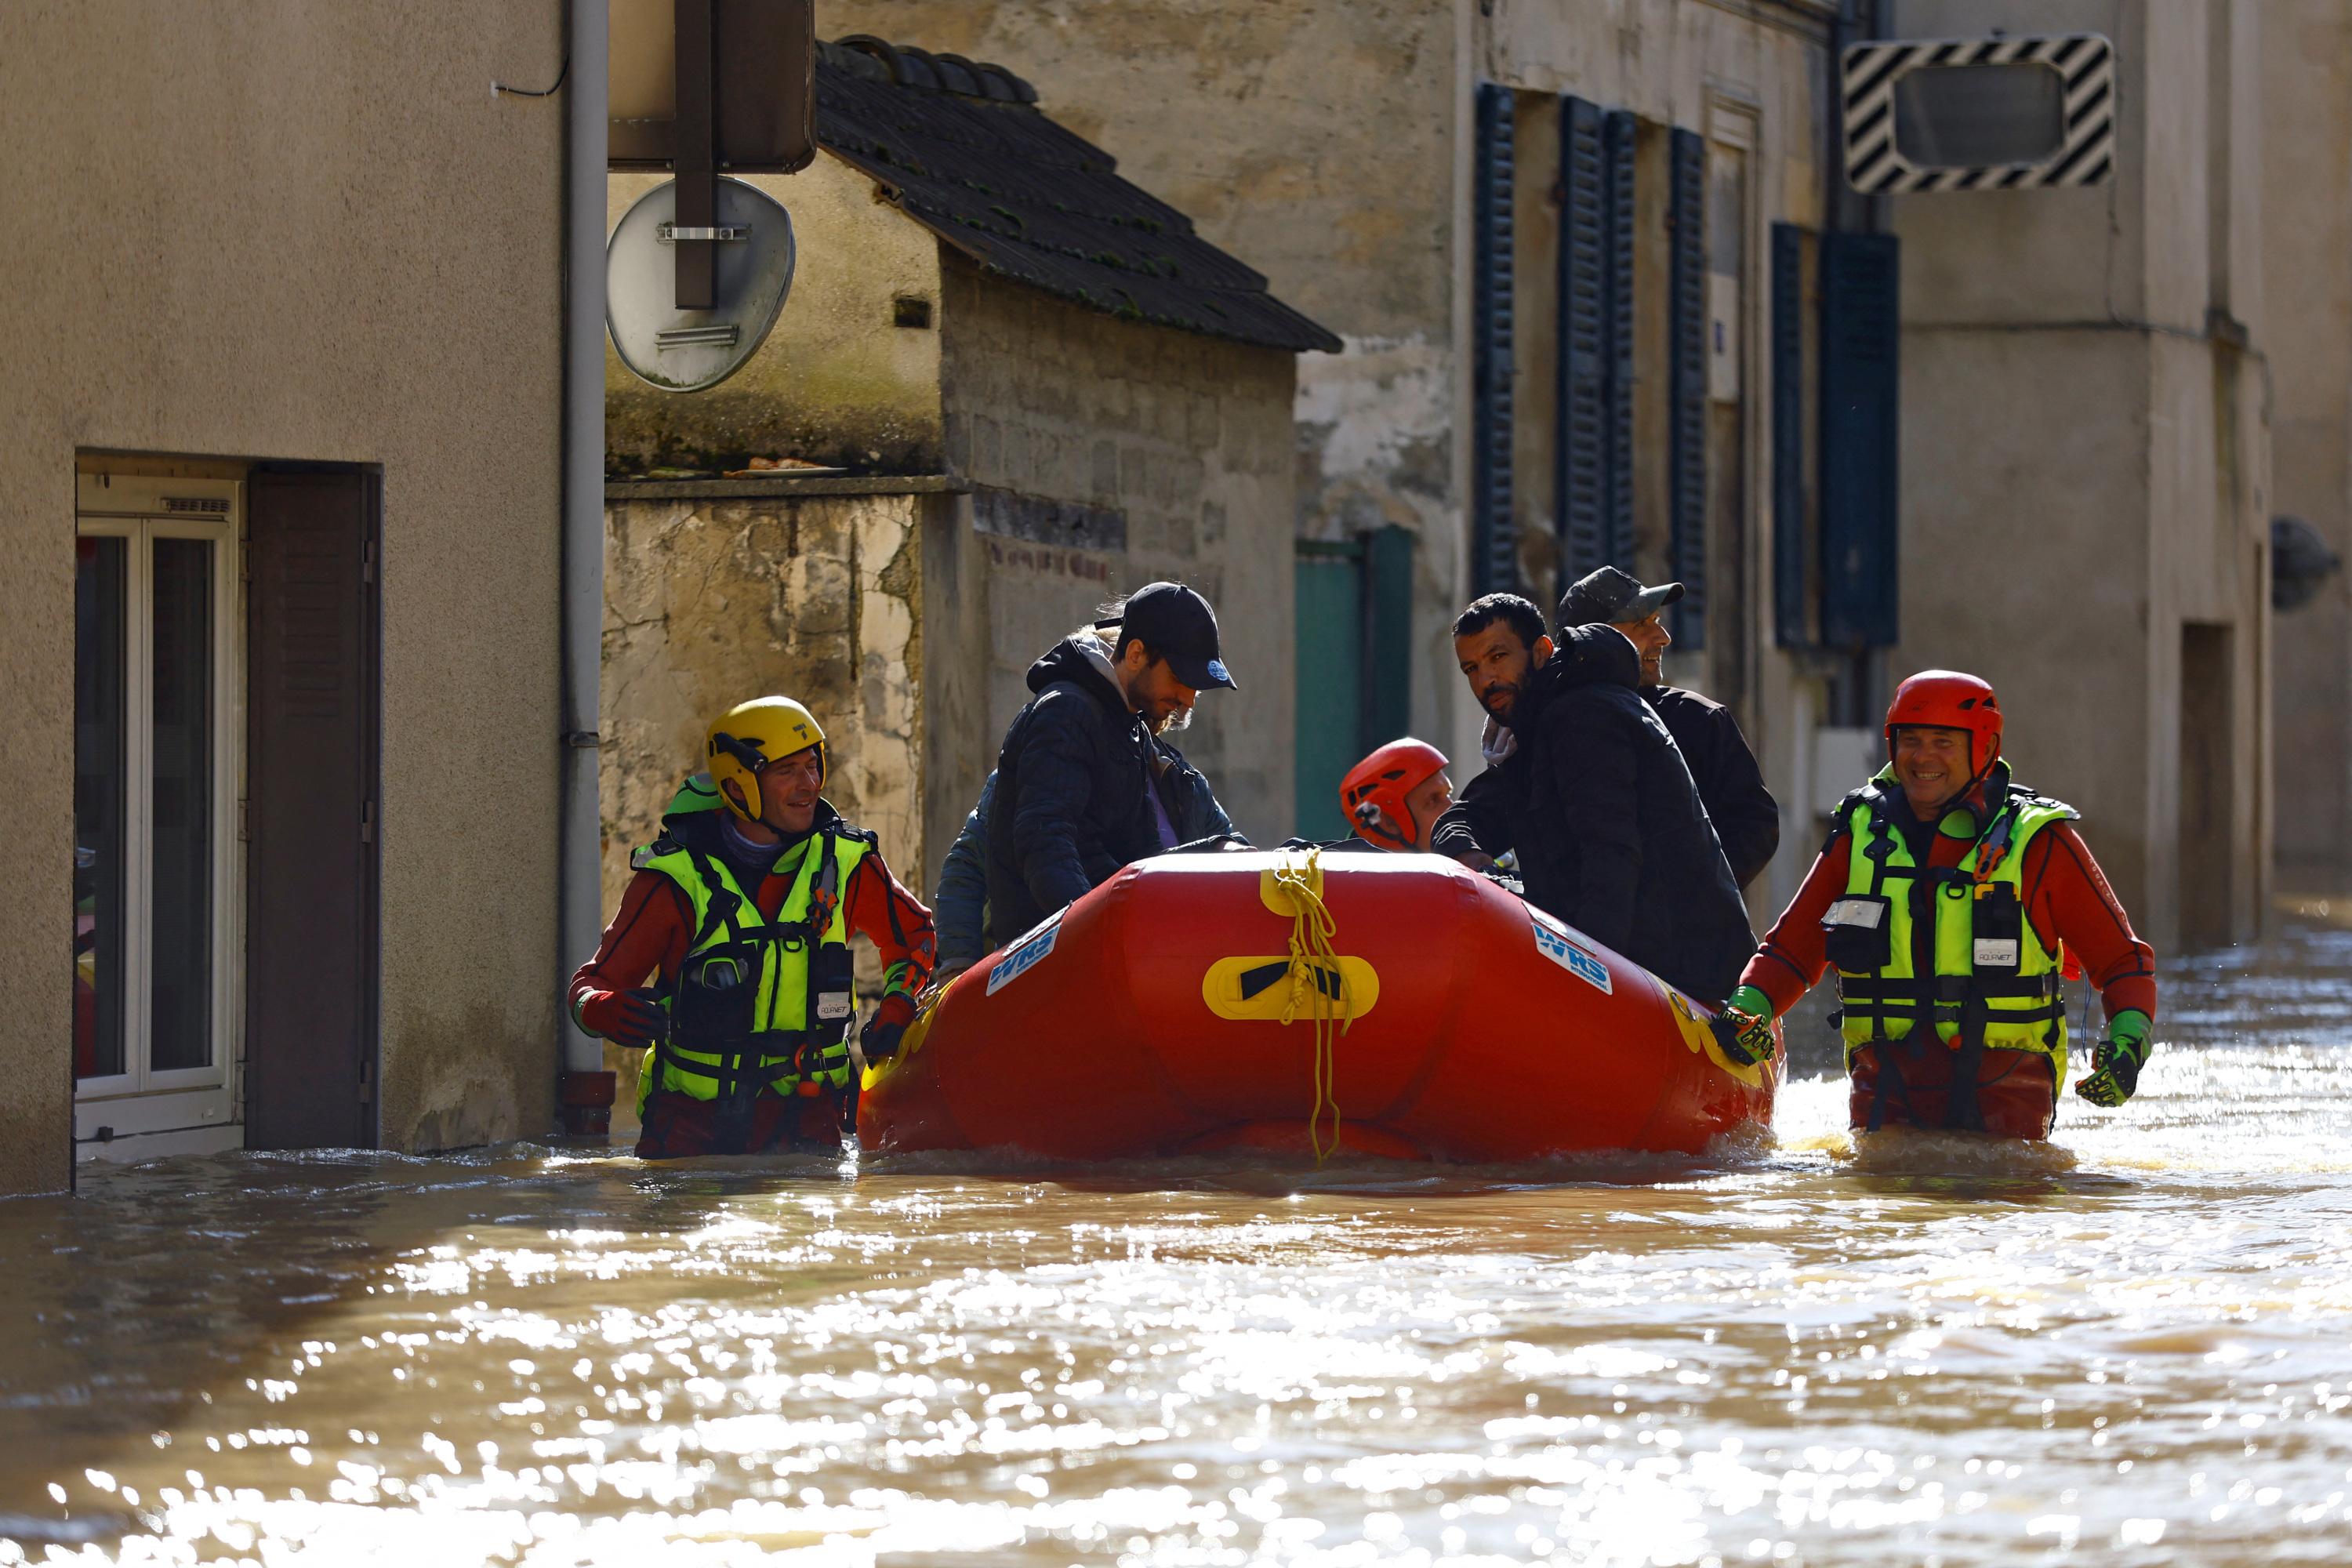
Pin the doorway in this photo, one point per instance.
(2207, 784)
(226, 697)
(1354, 615)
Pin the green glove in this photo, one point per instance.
(1744, 1028)
(2116, 1062)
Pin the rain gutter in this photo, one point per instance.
(584, 1090)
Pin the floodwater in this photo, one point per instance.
(2133, 1347)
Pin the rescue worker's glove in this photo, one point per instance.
(880, 1040)
(2116, 1062)
(1744, 1028)
(624, 1017)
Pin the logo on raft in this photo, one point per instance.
(1552, 942)
(1274, 988)
(1024, 955)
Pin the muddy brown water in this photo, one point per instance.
(2135, 1346)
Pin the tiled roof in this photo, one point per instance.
(961, 149)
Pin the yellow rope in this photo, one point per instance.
(1311, 951)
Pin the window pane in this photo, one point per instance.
(100, 781)
(182, 965)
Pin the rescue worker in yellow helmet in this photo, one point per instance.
(741, 911)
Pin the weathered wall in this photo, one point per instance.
(1318, 142)
(802, 589)
(1189, 439)
(2306, 226)
(302, 231)
(836, 382)
(2085, 460)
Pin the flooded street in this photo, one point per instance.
(2134, 1347)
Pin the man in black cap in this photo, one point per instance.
(1083, 784)
(1747, 818)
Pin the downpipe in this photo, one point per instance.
(584, 1088)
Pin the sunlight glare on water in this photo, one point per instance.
(2131, 1346)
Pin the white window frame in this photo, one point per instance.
(201, 1107)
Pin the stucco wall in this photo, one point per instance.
(2083, 390)
(836, 382)
(303, 231)
(1189, 438)
(2306, 235)
(709, 601)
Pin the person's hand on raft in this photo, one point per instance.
(1744, 1028)
(880, 1040)
(624, 1017)
(1477, 860)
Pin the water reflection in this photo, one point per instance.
(2132, 1347)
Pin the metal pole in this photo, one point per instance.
(584, 1089)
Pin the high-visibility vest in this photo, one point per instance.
(1949, 947)
(794, 1028)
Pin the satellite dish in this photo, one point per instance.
(690, 350)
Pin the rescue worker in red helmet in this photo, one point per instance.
(742, 909)
(1950, 899)
(1394, 797)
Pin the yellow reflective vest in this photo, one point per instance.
(758, 1005)
(1946, 947)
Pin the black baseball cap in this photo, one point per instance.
(1611, 597)
(1177, 623)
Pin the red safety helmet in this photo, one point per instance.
(1380, 783)
(1948, 700)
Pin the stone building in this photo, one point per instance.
(1624, 355)
(278, 484)
(1044, 389)
(1397, 168)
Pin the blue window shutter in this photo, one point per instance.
(1686, 386)
(1861, 327)
(1494, 567)
(1617, 153)
(1788, 393)
(1581, 445)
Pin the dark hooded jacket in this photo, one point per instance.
(1610, 835)
(1072, 802)
(1747, 818)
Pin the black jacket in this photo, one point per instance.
(1072, 802)
(1610, 835)
(1747, 818)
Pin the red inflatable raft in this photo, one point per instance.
(1388, 1004)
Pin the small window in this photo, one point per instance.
(911, 311)
(1978, 117)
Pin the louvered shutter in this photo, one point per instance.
(1860, 327)
(1581, 444)
(1494, 567)
(1687, 388)
(1788, 393)
(1617, 161)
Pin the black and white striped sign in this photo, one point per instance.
(2085, 62)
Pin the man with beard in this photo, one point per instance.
(1587, 785)
(1083, 787)
(1746, 816)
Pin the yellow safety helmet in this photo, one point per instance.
(754, 733)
